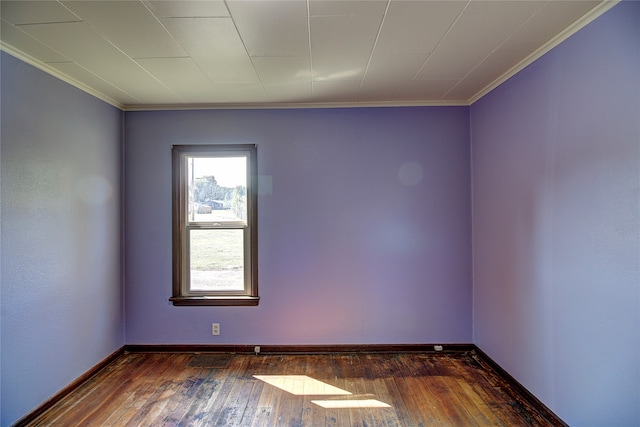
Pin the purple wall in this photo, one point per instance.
(61, 235)
(556, 213)
(348, 252)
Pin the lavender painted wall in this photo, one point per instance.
(61, 281)
(348, 253)
(556, 213)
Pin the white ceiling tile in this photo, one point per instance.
(383, 91)
(491, 69)
(206, 36)
(550, 20)
(86, 77)
(242, 92)
(35, 12)
(346, 7)
(78, 42)
(499, 8)
(429, 89)
(547, 21)
(273, 28)
(189, 9)
(393, 67)
(18, 39)
(183, 77)
(214, 44)
(341, 45)
(388, 77)
(228, 69)
(377, 94)
(339, 68)
(416, 26)
(467, 88)
(130, 26)
(335, 91)
(383, 94)
(482, 27)
(348, 34)
(445, 65)
(289, 92)
(294, 69)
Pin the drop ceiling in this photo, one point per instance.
(146, 54)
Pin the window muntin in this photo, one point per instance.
(214, 225)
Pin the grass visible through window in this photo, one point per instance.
(217, 259)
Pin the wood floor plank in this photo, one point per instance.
(109, 392)
(439, 370)
(168, 388)
(252, 404)
(347, 382)
(291, 407)
(161, 389)
(335, 377)
(502, 401)
(180, 402)
(71, 403)
(415, 385)
(233, 396)
(203, 399)
(317, 367)
(382, 369)
(475, 405)
(112, 410)
(264, 406)
(153, 393)
(145, 392)
(365, 375)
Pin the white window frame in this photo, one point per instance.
(182, 294)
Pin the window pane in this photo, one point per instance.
(217, 188)
(216, 260)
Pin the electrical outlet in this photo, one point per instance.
(215, 329)
(256, 349)
(437, 347)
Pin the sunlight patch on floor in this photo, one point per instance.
(350, 403)
(301, 385)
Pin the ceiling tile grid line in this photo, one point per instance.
(54, 66)
(309, 46)
(78, 42)
(496, 48)
(26, 26)
(172, 52)
(65, 77)
(244, 44)
(158, 54)
(575, 26)
(366, 69)
(439, 42)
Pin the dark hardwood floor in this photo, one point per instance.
(368, 389)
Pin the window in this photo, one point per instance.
(215, 256)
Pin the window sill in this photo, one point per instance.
(209, 300)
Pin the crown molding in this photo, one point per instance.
(293, 105)
(564, 35)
